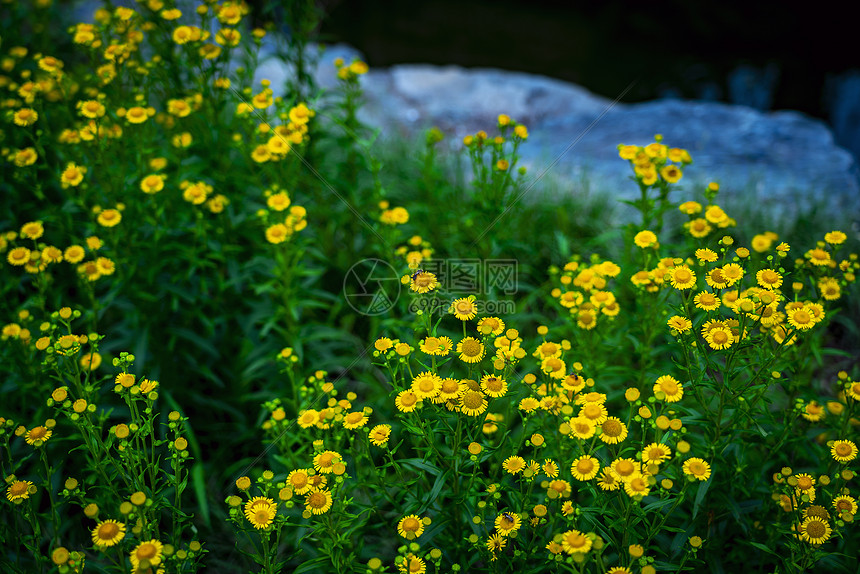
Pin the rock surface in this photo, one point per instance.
(784, 158)
(775, 157)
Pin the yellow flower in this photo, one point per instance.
(706, 301)
(37, 436)
(423, 282)
(426, 385)
(719, 337)
(109, 218)
(108, 533)
(507, 522)
(277, 233)
(715, 214)
(472, 403)
(471, 350)
(20, 490)
(815, 530)
(682, 277)
(585, 468)
(593, 411)
(843, 450)
(491, 325)
(613, 430)
(318, 501)
(325, 461)
(636, 486)
(464, 309)
(835, 237)
(706, 255)
(690, 207)
(554, 367)
(698, 228)
(608, 480)
(680, 324)
(514, 465)
(668, 388)
(671, 173)
(769, 279)
(818, 257)
(800, 318)
(410, 527)
(845, 504)
(25, 157)
(829, 288)
(137, 115)
(645, 239)
(299, 481)
(261, 511)
(412, 564)
(152, 551)
(228, 37)
(25, 117)
(73, 175)
(379, 435)
(655, 453)
(407, 401)
(697, 469)
(813, 411)
(18, 256)
(494, 386)
(575, 542)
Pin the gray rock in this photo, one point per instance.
(783, 158)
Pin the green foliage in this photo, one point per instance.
(193, 373)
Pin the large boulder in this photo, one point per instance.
(781, 158)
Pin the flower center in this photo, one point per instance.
(108, 530)
(147, 551)
(299, 480)
(471, 348)
(576, 541)
(472, 399)
(426, 385)
(316, 500)
(611, 428)
(815, 529)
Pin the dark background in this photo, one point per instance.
(765, 54)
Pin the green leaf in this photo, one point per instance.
(198, 477)
(434, 492)
(762, 547)
(421, 465)
(311, 565)
(656, 505)
(700, 495)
